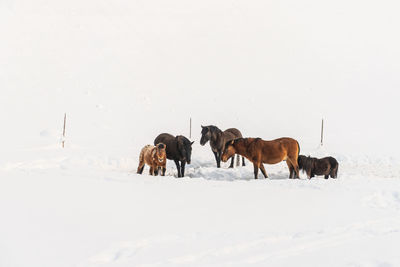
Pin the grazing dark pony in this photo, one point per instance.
(179, 149)
(312, 166)
(155, 157)
(260, 151)
(218, 140)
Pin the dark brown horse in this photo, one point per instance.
(260, 151)
(218, 140)
(312, 166)
(179, 149)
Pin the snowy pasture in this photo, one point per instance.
(70, 208)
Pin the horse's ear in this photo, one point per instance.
(202, 126)
(232, 142)
(191, 143)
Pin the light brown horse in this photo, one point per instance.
(260, 151)
(155, 157)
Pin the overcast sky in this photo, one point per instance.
(272, 67)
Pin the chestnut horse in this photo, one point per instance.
(260, 151)
(155, 157)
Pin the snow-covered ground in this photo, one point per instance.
(75, 208)
(125, 71)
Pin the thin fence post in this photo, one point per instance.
(190, 128)
(65, 121)
(322, 133)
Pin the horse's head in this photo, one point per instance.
(185, 148)
(308, 164)
(205, 135)
(301, 160)
(160, 154)
(229, 151)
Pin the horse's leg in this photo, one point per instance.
(232, 161)
(296, 175)
(295, 164)
(255, 170)
(151, 172)
(243, 164)
(216, 158)
(309, 173)
(163, 171)
(237, 160)
(263, 170)
(291, 169)
(178, 167)
(183, 168)
(140, 167)
(156, 171)
(327, 176)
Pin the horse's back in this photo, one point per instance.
(289, 144)
(334, 163)
(286, 140)
(170, 143)
(231, 134)
(145, 153)
(147, 148)
(285, 143)
(164, 138)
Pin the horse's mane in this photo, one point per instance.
(213, 128)
(235, 141)
(183, 139)
(241, 139)
(161, 146)
(308, 162)
(229, 142)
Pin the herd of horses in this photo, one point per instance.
(226, 144)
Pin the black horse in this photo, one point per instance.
(218, 140)
(312, 166)
(179, 149)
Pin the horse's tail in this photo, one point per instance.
(141, 155)
(335, 168)
(141, 161)
(298, 149)
(295, 162)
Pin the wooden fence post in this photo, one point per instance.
(65, 121)
(190, 128)
(322, 133)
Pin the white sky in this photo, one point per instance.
(270, 68)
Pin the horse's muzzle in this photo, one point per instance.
(203, 141)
